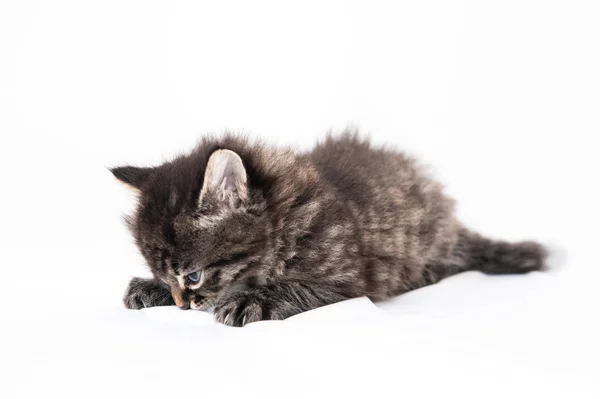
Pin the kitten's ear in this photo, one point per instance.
(132, 176)
(225, 179)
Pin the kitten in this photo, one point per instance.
(263, 233)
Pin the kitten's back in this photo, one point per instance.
(405, 223)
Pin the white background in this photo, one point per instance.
(501, 98)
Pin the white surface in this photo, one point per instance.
(468, 336)
(500, 97)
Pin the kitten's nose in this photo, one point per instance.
(177, 295)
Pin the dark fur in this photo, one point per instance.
(342, 221)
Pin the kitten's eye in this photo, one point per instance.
(194, 277)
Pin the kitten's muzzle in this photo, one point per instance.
(177, 295)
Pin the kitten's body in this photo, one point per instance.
(272, 233)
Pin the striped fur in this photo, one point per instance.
(272, 232)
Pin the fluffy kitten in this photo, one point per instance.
(264, 233)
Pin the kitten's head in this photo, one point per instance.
(200, 223)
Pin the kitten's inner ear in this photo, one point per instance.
(132, 176)
(225, 180)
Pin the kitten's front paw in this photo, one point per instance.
(133, 298)
(242, 308)
(146, 293)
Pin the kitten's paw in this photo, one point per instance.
(133, 298)
(242, 308)
(144, 293)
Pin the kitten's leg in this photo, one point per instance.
(146, 293)
(273, 302)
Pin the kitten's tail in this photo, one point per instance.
(475, 252)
